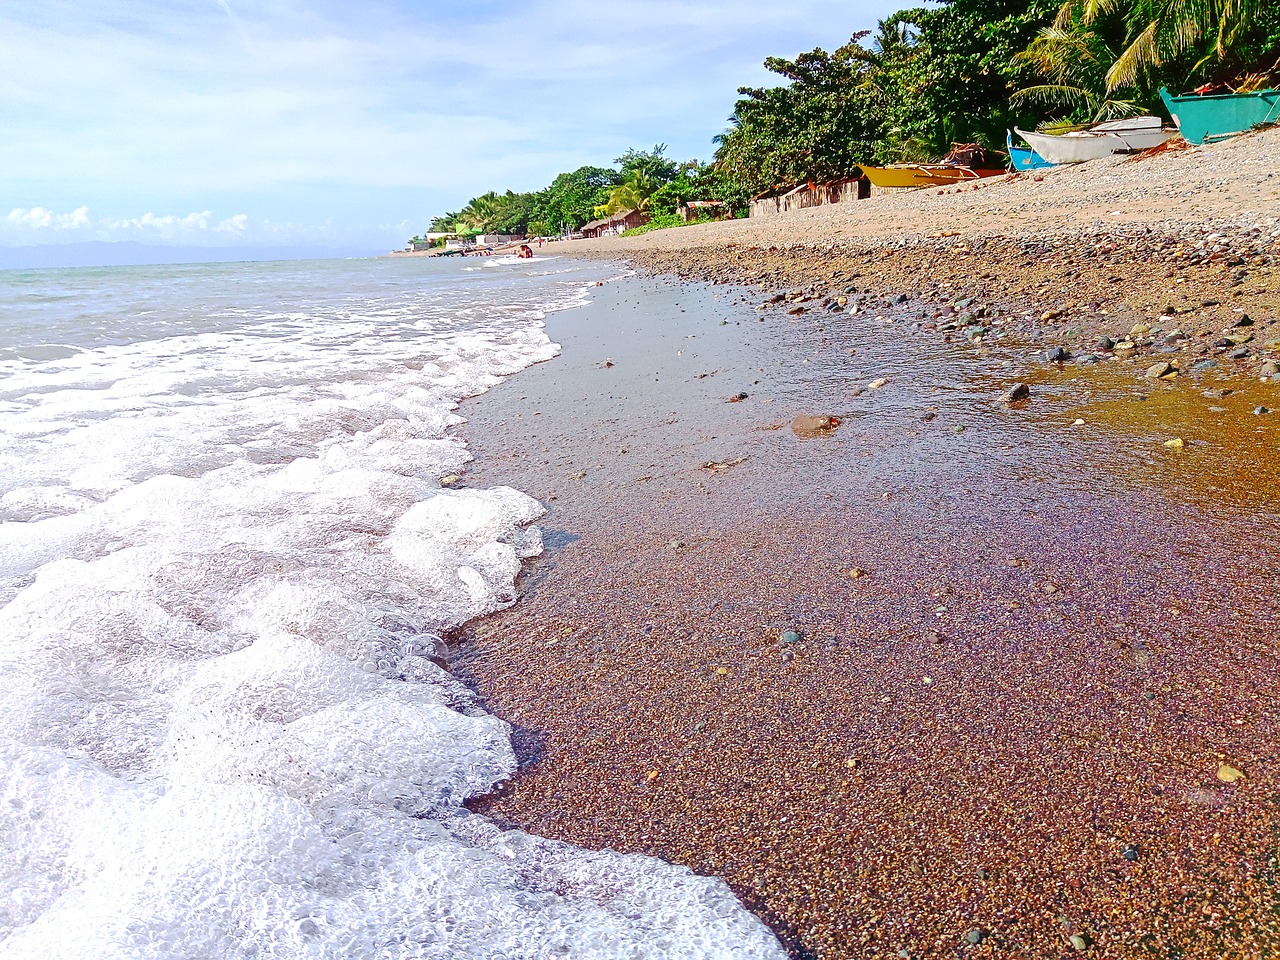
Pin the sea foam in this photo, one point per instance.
(225, 559)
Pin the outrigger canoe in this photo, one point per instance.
(899, 175)
(1100, 140)
(1023, 158)
(966, 161)
(1217, 116)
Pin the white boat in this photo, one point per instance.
(1099, 140)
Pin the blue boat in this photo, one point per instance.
(1217, 116)
(1023, 158)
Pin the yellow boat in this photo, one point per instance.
(899, 175)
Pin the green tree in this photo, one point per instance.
(571, 198)
(817, 126)
(653, 165)
(1071, 65)
(1166, 33)
(945, 74)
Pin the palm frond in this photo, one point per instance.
(1142, 52)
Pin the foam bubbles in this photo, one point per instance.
(225, 558)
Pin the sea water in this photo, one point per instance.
(226, 555)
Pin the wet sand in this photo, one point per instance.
(955, 679)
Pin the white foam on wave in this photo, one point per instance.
(224, 560)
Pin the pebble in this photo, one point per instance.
(1161, 369)
(1260, 410)
(1078, 942)
(1055, 355)
(1229, 774)
(1130, 853)
(789, 636)
(1019, 391)
(976, 936)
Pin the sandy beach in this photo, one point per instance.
(918, 672)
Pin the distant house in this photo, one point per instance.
(615, 225)
(424, 242)
(774, 202)
(713, 209)
(496, 239)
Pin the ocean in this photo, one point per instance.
(226, 558)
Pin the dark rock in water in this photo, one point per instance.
(1019, 391)
(1055, 355)
(1240, 353)
(1105, 343)
(1130, 853)
(928, 415)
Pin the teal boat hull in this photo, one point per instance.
(1024, 159)
(1218, 116)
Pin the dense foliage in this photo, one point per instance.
(961, 71)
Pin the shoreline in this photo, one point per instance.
(721, 659)
(1184, 242)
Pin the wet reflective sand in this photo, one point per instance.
(954, 677)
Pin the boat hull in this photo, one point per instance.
(909, 175)
(1023, 159)
(1094, 144)
(1219, 116)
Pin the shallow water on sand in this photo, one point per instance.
(226, 554)
(1019, 646)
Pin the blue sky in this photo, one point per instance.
(283, 122)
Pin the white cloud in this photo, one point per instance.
(38, 218)
(41, 225)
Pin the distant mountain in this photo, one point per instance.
(129, 253)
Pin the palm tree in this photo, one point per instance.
(632, 194)
(1074, 64)
(1161, 31)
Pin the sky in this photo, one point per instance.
(348, 125)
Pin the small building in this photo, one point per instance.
(774, 202)
(706, 209)
(425, 242)
(615, 225)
